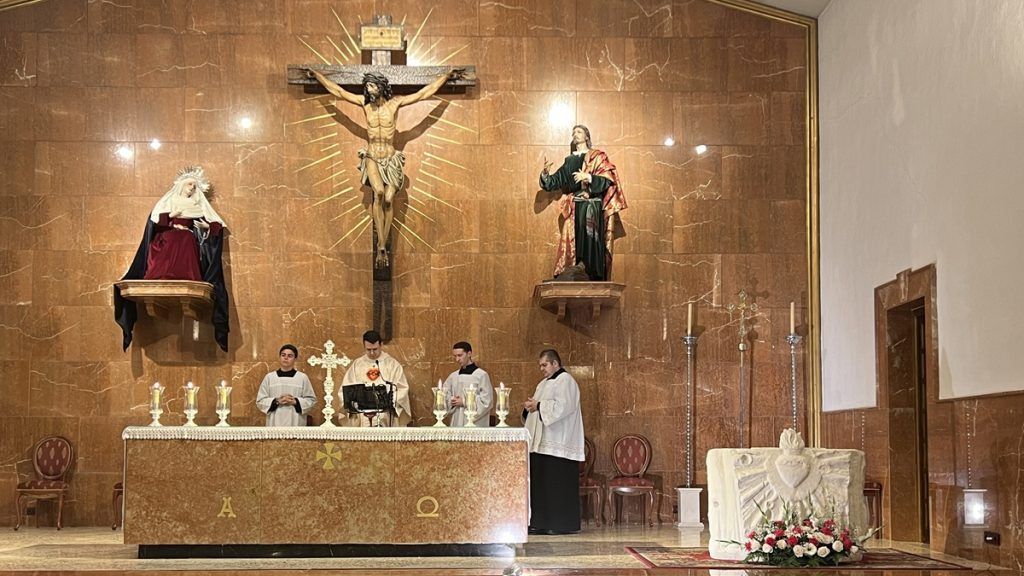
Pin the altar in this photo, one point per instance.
(266, 487)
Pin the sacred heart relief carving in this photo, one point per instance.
(794, 475)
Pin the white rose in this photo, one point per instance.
(767, 548)
(798, 551)
(827, 539)
(854, 549)
(823, 551)
(781, 544)
(809, 549)
(837, 546)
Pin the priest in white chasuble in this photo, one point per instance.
(286, 395)
(376, 369)
(468, 375)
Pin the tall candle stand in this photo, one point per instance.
(689, 497)
(794, 340)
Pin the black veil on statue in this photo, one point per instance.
(211, 267)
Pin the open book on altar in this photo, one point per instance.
(363, 397)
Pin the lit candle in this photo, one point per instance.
(471, 399)
(689, 319)
(502, 397)
(792, 317)
(222, 394)
(190, 395)
(439, 403)
(154, 399)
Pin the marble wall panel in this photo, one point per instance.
(18, 56)
(527, 18)
(676, 64)
(111, 60)
(16, 277)
(122, 95)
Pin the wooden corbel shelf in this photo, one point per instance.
(560, 296)
(161, 296)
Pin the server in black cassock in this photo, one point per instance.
(555, 423)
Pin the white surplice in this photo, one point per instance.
(456, 385)
(556, 429)
(277, 384)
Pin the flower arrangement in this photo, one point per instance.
(795, 541)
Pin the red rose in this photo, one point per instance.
(797, 530)
(748, 546)
(792, 541)
(770, 541)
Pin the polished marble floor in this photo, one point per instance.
(593, 551)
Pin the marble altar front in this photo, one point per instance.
(271, 486)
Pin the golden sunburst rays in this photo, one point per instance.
(438, 173)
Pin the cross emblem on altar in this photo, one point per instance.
(328, 454)
(329, 361)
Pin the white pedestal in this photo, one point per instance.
(689, 509)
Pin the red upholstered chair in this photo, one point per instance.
(118, 500)
(590, 487)
(51, 459)
(631, 455)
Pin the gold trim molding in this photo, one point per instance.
(812, 366)
(12, 4)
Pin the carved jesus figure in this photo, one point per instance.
(380, 165)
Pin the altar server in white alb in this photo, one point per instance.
(377, 367)
(461, 380)
(286, 396)
(555, 422)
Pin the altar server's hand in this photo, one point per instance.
(530, 405)
(457, 402)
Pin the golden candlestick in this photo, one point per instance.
(190, 404)
(440, 406)
(155, 409)
(471, 406)
(223, 403)
(502, 408)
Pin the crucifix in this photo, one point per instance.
(380, 165)
(329, 361)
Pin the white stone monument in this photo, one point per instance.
(810, 481)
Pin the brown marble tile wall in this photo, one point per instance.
(991, 426)
(86, 88)
(971, 442)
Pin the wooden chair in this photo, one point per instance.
(118, 501)
(590, 487)
(51, 460)
(873, 500)
(631, 456)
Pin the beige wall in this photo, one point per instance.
(921, 132)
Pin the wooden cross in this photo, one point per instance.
(383, 52)
(329, 361)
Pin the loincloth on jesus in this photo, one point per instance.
(391, 168)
